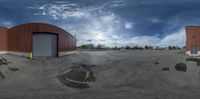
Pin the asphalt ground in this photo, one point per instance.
(119, 74)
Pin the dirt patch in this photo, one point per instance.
(2, 75)
(13, 69)
(166, 69)
(78, 76)
(156, 63)
(4, 61)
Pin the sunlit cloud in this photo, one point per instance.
(128, 25)
(177, 38)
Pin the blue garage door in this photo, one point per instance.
(45, 44)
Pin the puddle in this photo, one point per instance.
(197, 60)
(77, 77)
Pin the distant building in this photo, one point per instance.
(193, 40)
(36, 39)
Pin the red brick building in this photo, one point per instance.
(193, 40)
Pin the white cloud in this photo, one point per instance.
(75, 14)
(108, 18)
(65, 9)
(7, 24)
(128, 25)
(61, 10)
(177, 38)
(145, 40)
(155, 20)
(117, 37)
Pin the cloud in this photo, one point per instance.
(108, 18)
(174, 39)
(61, 10)
(98, 24)
(7, 24)
(64, 9)
(155, 20)
(128, 25)
(115, 37)
(145, 40)
(177, 38)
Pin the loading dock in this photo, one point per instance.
(45, 44)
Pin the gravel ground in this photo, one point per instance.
(119, 75)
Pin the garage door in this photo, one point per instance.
(44, 44)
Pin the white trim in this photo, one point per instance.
(3, 52)
(187, 52)
(67, 53)
(25, 54)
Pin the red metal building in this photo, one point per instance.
(193, 40)
(37, 39)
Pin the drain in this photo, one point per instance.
(181, 67)
(77, 77)
(72, 83)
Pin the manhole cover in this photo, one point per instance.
(181, 67)
(77, 78)
(72, 83)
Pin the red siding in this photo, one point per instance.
(3, 39)
(192, 37)
(20, 37)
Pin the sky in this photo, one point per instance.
(109, 22)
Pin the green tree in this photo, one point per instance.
(128, 47)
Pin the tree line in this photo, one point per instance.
(102, 46)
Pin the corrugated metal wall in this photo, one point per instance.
(20, 37)
(192, 37)
(3, 39)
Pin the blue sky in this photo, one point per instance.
(109, 22)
